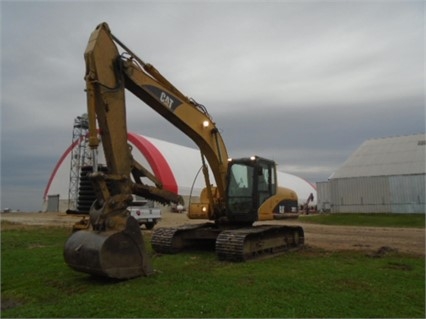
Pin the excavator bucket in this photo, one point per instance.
(113, 254)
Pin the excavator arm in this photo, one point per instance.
(108, 74)
(105, 89)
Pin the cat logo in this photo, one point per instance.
(166, 100)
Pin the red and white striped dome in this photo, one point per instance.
(176, 166)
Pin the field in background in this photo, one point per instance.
(369, 220)
(308, 283)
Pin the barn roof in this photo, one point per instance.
(400, 155)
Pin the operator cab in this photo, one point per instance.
(250, 182)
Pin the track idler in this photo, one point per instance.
(109, 253)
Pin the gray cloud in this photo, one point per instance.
(304, 83)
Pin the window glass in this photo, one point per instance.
(240, 191)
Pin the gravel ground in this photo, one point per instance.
(330, 238)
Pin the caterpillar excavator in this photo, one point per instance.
(245, 189)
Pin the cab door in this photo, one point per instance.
(250, 182)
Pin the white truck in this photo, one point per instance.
(145, 212)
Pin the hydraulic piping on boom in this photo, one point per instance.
(245, 189)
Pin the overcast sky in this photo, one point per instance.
(301, 82)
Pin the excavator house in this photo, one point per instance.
(245, 190)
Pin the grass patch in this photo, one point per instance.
(35, 282)
(373, 220)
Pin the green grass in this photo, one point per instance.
(376, 220)
(35, 282)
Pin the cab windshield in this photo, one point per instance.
(240, 188)
(250, 184)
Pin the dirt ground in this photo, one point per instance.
(330, 238)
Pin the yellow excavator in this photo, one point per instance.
(246, 189)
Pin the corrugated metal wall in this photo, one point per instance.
(377, 194)
(408, 193)
(360, 194)
(323, 196)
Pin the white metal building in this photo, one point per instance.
(176, 166)
(382, 175)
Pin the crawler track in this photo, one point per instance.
(162, 240)
(231, 244)
(256, 242)
(171, 240)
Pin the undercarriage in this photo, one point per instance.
(230, 243)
